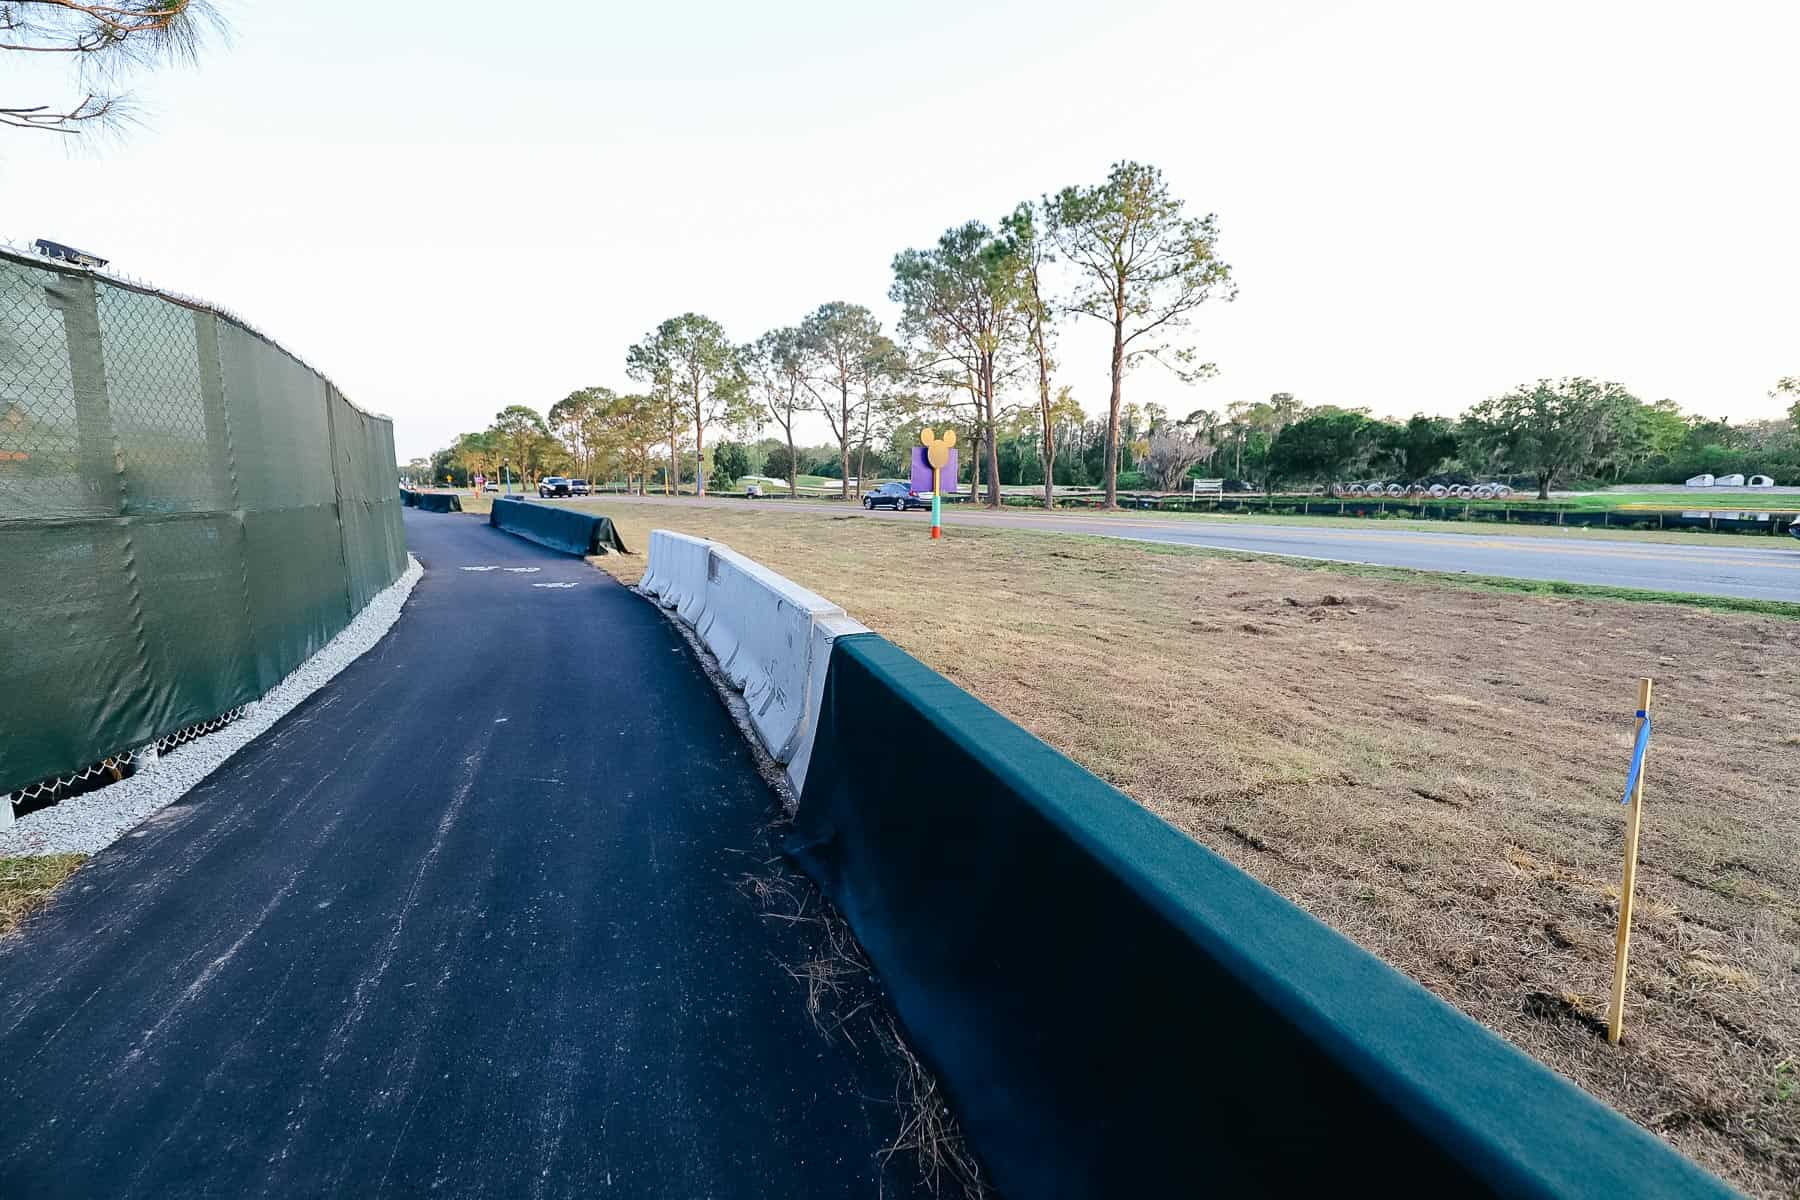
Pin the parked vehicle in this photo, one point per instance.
(492, 485)
(580, 487)
(897, 496)
(553, 485)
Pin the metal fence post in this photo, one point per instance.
(102, 472)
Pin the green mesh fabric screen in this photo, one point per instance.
(187, 512)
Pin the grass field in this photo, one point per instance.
(1700, 499)
(1433, 769)
(26, 884)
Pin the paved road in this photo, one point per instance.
(1722, 567)
(465, 922)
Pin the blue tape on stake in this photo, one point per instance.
(1637, 754)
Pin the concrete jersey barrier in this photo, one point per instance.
(570, 530)
(771, 636)
(760, 628)
(1115, 1010)
(677, 573)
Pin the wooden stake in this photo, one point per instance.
(1615, 1021)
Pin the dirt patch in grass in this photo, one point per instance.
(1435, 771)
(26, 884)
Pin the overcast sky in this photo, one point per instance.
(453, 207)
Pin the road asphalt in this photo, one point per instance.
(1703, 564)
(468, 921)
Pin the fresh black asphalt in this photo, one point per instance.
(466, 922)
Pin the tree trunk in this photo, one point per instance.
(674, 471)
(1543, 485)
(699, 455)
(1112, 413)
(793, 467)
(1047, 451)
(990, 430)
(844, 438)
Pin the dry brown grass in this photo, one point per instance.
(1434, 771)
(843, 1000)
(26, 884)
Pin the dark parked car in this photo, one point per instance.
(553, 485)
(580, 487)
(897, 496)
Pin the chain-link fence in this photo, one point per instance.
(187, 512)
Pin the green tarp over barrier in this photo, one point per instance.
(187, 512)
(1117, 1011)
(439, 502)
(567, 529)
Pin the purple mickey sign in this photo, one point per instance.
(921, 471)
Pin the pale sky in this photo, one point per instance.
(453, 207)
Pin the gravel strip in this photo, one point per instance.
(90, 822)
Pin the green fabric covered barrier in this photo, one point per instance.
(187, 512)
(569, 530)
(1114, 1010)
(439, 502)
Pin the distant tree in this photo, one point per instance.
(1144, 266)
(478, 454)
(782, 464)
(1171, 449)
(1253, 427)
(1416, 448)
(585, 422)
(878, 376)
(777, 367)
(105, 41)
(1665, 429)
(636, 420)
(959, 304)
(731, 462)
(1325, 444)
(840, 340)
(1029, 251)
(520, 436)
(1790, 387)
(1547, 430)
(693, 368)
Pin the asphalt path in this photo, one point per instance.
(465, 922)
(1703, 565)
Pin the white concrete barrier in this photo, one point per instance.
(759, 626)
(677, 572)
(825, 631)
(771, 636)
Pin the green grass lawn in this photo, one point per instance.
(1700, 499)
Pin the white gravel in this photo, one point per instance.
(84, 824)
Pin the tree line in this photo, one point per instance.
(976, 348)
